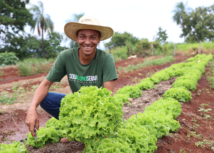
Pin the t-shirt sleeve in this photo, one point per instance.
(57, 71)
(109, 70)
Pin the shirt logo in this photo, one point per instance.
(83, 79)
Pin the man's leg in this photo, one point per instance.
(51, 103)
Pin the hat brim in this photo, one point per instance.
(71, 29)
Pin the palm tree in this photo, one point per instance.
(42, 22)
(74, 18)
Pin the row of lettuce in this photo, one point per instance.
(94, 117)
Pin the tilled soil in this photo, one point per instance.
(195, 133)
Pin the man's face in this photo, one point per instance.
(88, 41)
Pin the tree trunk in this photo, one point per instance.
(43, 53)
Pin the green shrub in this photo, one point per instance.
(179, 93)
(25, 70)
(143, 48)
(8, 58)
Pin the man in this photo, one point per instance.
(84, 66)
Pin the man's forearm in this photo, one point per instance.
(40, 94)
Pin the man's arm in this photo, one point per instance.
(32, 118)
(109, 85)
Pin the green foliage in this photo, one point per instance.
(121, 39)
(31, 66)
(161, 36)
(178, 93)
(6, 99)
(8, 59)
(158, 61)
(146, 84)
(90, 113)
(44, 136)
(15, 147)
(119, 53)
(197, 25)
(14, 16)
(132, 91)
(184, 47)
(109, 145)
(42, 22)
(169, 106)
(142, 48)
(189, 84)
(1, 73)
(160, 76)
(122, 98)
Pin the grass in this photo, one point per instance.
(32, 66)
(206, 46)
(119, 53)
(1, 74)
(159, 61)
(210, 74)
(9, 98)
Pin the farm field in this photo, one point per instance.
(194, 135)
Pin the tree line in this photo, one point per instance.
(14, 16)
(196, 24)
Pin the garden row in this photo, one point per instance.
(91, 114)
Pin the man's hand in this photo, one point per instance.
(32, 119)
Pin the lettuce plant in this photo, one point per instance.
(91, 113)
(145, 84)
(15, 147)
(178, 93)
(160, 76)
(132, 91)
(44, 136)
(169, 106)
(186, 83)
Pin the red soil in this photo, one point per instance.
(13, 122)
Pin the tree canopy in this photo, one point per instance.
(199, 25)
(14, 16)
(161, 35)
(121, 39)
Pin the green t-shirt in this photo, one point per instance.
(101, 69)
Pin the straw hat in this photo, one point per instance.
(87, 22)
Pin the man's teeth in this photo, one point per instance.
(87, 47)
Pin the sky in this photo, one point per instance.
(142, 18)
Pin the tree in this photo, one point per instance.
(42, 22)
(161, 35)
(52, 44)
(199, 25)
(179, 11)
(23, 45)
(122, 39)
(74, 18)
(14, 16)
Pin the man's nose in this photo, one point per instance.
(87, 41)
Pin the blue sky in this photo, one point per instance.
(139, 17)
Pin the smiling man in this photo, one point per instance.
(84, 66)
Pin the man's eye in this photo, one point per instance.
(82, 36)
